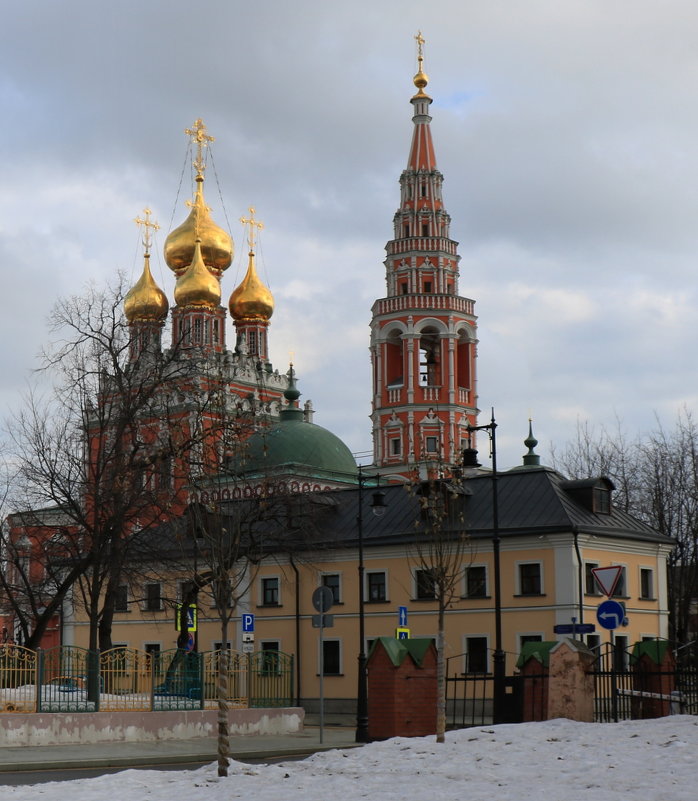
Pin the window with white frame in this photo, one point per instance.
(425, 589)
(530, 578)
(646, 584)
(526, 638)
(331, 658)
(377, 586)
(476, 653)
(590, 585)
(121, 599)
(621, 590)
(269, 591)
(476, 581)
(153, 596)
(333, 581)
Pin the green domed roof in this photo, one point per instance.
(292, 441)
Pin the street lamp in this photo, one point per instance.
(378, 508)
(470, 460)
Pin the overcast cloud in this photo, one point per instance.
(566, 132)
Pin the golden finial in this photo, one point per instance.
(420, 79)
(200, 138)
(147, 224)
(252, 223)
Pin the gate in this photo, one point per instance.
(68, 680)
(126, 679)
(17, 679)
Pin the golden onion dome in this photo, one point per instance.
(197, 286)
(251, 300)
(421, 79)
(145, 301)
(216, 244)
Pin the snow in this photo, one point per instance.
(557, 760)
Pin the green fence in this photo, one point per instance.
(70, 679)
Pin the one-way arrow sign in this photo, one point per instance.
(610, 614)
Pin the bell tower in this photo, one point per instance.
(423, 333)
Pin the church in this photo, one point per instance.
(227, 430)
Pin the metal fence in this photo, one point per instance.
(71, 679)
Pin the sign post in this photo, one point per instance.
(323, 598)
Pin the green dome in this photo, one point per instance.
(292, 441)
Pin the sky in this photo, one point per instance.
(566, 133)
(559, 759)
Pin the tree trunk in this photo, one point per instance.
(440, 679)
(223, 730)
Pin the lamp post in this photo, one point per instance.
(378, 508)
(498, 658)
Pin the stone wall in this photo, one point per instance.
(21, 728)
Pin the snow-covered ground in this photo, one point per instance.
(554, 761)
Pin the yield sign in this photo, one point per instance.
(607, 578)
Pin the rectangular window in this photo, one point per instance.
(377, 590)
(590, 585)
(602, 501)
(270, 662)
(198, 325)
(621, 590)
(270, 591)
(620, 652)
(646, 584)
(153, 597)
(331, 658)
(153, 651)
(424, 585)
(404, 289)
(524, 638)
(476, 581)
(425, 232)
(594, 641)
(427, 284)
(121, 600)
(530, 578)
(216, 335)
(332, 580)
(431, 444)
(476, 654)
(395, 447)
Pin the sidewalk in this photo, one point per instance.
(201, 749)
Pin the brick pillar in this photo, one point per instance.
(571, 681)
(401, 688)
(533, 670)
(654, 672)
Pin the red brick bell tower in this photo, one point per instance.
(423, 333)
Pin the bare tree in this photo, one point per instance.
(91, 450)
(440, 555)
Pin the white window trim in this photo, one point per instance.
(653, 588)
(382, 570)
(341, 583)
(520, 634)
(487, 582)
(469, 635)
(538, 562)
(597, 590)
(341, 656)
(623, 577)
(260, 586)
(415, 586)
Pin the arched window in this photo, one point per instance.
(430, 358)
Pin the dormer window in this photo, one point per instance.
(602, 501)
(594, 494)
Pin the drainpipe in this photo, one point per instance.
(298, 630)
(580, 576)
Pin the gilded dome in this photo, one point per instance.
(251, 300)
(197, 286)
(216, 244)
(145, 301)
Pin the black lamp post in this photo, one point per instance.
(378, 507)
(470, 460)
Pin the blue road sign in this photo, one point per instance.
(248, 622)
(574, 628)
(402, 616)
(610, 614)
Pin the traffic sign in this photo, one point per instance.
(190, 621)
(574, 628)
(248, 647)
(607, 578)
(248, 622)
(610, 614)
(402, 633)
(323, 621)
(323, 599)
(402, 616)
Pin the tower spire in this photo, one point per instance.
(423, 334)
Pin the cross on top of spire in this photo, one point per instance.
(420, 52)
(200, 138)
(147, 224)
(252, 224)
